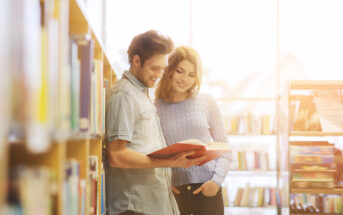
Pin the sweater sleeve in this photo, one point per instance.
(218, 133)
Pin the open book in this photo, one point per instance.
(213, 150)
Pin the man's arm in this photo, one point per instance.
(122, 157)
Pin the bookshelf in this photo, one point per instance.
(51, 159)
(312, 146)
(252, 133)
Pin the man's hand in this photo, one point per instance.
(208, 188)
(181, 160)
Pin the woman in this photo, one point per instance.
(185, 114)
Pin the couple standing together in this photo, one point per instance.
(137, 184)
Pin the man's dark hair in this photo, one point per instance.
(150, 43)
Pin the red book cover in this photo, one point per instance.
(213, 150)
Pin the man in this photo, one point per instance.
(136, 183)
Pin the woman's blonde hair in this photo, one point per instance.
(180, 54)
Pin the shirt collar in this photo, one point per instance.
(137, 83)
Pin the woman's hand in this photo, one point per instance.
(209, 189)
(175, 190)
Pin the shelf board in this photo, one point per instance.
(323, 171)
(315, 133)
(252, 207)
(80, 24)
(315, 213)
(247, 99)
(299, 97)
(249, 135)
(85, 135)
(315, 84)
(255, 173)
(316, 190)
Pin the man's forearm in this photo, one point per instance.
(127, 158)
(122, 157)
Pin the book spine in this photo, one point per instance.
(85, 84)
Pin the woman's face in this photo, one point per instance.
(183, 78)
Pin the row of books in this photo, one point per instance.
(250, 123)
(32, 190)
(87, 88)
(76, 188)
(312, 164)
(56, 85)
(39, 64)
(255, 197)
(250, 160)
(316, 203)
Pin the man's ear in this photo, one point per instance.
(136, 61)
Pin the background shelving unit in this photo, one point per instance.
(251, 126)
(54, 24)
(295, 93)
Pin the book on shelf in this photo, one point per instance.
(255, 196)
(97, 99)
(25, 181)
(93, 184)
(225, 196)
(316, 203)
(71, 187)
(313, 167)
(306, 116)
(312, 164)
(83, 193)
(102, 191)
(238, 196)
(87, 52)
(250, 123)
(250, 160)
(75, 86)
(330, 109)
(339, 168)
(213, 150)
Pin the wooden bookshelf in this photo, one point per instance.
(315, 134)
(248, 124)
(71, 20)
(315, 213)
(315, 84)
(303, 90)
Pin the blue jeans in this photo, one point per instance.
(198, 204)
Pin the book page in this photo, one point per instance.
(218, 146)
(193, 141)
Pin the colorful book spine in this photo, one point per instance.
(87, 52)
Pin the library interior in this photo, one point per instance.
(274, 68)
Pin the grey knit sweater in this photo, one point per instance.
(195, 118)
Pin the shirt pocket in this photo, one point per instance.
(146, 125)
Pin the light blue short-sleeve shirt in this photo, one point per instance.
(131, 116)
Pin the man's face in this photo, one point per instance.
(152, 70)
